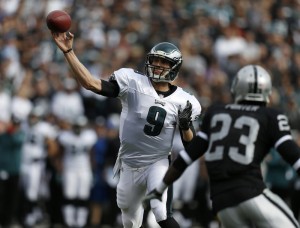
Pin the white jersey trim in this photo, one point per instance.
(185, 157)
(296, 165)
(282, 140)
(202, 135)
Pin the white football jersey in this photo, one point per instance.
(67, 106)
(34, 145)
(76, 148)
(148, 121)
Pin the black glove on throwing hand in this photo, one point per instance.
(184, 116)
(151, 195)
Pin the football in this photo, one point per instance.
(58, 21)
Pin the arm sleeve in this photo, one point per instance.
(109, 88)
(194, 150)
(290, 152)
(283, 141)
(185, 143)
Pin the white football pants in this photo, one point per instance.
(32, 174)
(132, 187)
(77, 183)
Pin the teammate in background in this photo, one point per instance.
(77, 177)
(39, 144)
(237, 137)
(151, 110)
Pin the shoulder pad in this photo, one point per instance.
(138, 72)
(188, 91)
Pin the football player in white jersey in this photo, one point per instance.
(39, 143)
(77, 177)
(152, 108)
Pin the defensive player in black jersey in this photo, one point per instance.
(235, 138)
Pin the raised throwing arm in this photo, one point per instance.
(65, 43)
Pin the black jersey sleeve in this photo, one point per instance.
(278, 128)
(193, 151)
(282, 138)
(290, 151)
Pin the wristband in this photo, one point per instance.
(67, 51)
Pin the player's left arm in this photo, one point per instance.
(290, 152)
(285, 144)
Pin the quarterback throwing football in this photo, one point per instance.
(152, 108)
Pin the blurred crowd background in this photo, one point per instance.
(216, 37)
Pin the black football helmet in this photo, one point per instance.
(166, 51)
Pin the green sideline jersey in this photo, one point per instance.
(10, 151)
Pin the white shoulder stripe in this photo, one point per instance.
(185, 157)
(296, 165)
(202, 135)
(282, 140)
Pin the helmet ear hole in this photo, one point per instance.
(251, 83)
(169, 53)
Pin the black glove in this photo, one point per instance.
(184, 116)
(151, 195)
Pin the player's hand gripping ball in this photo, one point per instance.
(58, 21)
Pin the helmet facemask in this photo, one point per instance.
(166, 52)
(164, 74)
